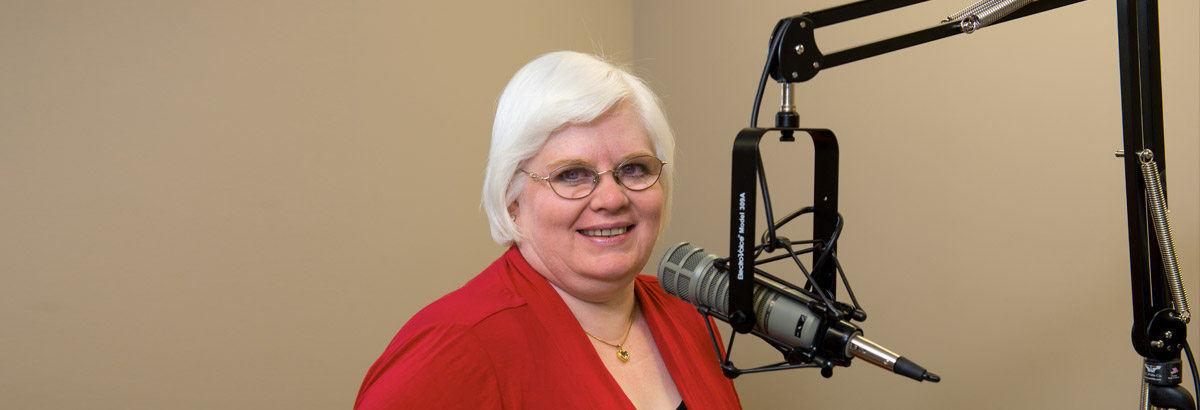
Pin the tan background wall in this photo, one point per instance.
(236, 204)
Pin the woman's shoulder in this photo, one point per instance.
(443, 342)
(486, 294)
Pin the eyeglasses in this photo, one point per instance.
(576, 181)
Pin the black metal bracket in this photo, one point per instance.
(743, 205)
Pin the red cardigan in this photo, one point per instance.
(506, 340)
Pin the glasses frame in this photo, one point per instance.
(596, 178)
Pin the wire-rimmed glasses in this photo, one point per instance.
(576, 181)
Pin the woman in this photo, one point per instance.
(577, 186)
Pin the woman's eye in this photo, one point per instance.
(633, 170)
(574, 176)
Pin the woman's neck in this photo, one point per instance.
(606, 318)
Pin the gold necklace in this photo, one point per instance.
(621, 353)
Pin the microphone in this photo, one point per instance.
(782, 314)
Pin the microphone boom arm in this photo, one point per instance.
(1158, 335)
(794, 56)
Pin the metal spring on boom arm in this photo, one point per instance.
(985, 12)
(1162, 226)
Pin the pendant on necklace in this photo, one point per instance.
(622, 354)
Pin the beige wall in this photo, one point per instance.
(237, 204)
(985, 212)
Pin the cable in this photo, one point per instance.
(819, 291)
(762, 82)
(779, 257)
(837, 231)
(826, 245)
(762, 182)
(793, 215)
(1195, 379)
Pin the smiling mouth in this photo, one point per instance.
(604, 233)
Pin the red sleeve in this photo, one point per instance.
(434, 367)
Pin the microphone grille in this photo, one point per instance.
(677, 252)
(693, 259)
(686, 263)
(685, 288)
(674, 276)
(666, 277)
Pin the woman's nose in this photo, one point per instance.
(609, 194)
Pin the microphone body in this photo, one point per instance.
(782, 315)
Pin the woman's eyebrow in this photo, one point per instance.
(580, 161)
(567, 161)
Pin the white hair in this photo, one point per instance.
(552, 91)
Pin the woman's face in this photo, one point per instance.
(594, 246)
